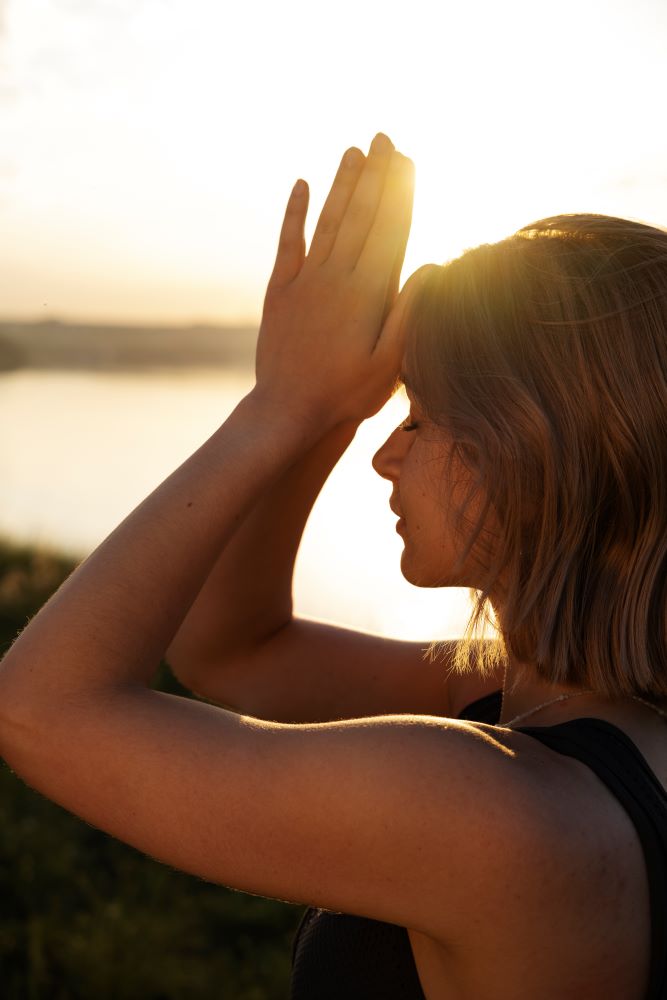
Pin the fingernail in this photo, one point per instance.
(299, 188)
(352, 157)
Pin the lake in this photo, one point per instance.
(79, 450)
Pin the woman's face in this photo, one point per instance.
(426, 494)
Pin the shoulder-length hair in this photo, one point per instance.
(544, 356)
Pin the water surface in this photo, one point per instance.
(79, 450)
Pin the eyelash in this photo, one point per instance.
(408, 425)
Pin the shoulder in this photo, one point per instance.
(584, 882)
(415, 820)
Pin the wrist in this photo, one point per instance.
(300, 423)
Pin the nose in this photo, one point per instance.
(387, 460)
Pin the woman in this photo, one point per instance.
(443, 852)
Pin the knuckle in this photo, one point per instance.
(359, 210)
(287, 243)
(327, 225)
(327, 278)
(353, 157)
(386, 229)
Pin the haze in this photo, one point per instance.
(147, 147)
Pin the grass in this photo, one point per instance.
(82, 915)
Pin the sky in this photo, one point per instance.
(148, 147)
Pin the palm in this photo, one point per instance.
(330, 341)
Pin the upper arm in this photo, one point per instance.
(398, 819)
(311, 671)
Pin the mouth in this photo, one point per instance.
(393, 510)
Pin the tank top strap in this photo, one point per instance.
(617, 761)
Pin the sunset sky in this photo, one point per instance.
(147, 147)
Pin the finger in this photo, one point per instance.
(363, 204)
(390, 345)
(393, 283)
(391, 225)
(395, 276)
(292, 242)
(336, 204)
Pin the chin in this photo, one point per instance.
(429, 577)
(419, 576)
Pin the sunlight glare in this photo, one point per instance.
(159, 143)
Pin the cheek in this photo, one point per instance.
(436, 496)
(423, 495)
(423, 475)
(440, 511)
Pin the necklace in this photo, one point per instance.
(574, 694)
(552, 701)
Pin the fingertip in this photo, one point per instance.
(417, 280)
(408, 166)
(299, 189)
(423, 273)
(381, 143)
(402, 169)
(353, 157)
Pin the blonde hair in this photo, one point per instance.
(544, 356)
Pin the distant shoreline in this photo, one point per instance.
(53, 344)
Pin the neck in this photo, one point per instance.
(523, 691)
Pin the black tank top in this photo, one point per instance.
(337, 956)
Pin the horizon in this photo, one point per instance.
(171, 323)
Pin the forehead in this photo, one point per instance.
(412, 398)
(405, 383)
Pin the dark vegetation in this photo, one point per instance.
(83, 916)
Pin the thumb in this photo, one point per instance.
(391, 342)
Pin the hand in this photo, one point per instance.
(324, 350)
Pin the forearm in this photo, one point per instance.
(247, 596)
(327, 355)
(113, 618)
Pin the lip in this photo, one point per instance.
(393, 509)
(400, 524)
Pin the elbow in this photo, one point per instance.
(198, 667)
(22, 722)
(39, 705)
(185, 667)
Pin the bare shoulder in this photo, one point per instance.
(447, 820)
(572, 874)
(588, 889)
